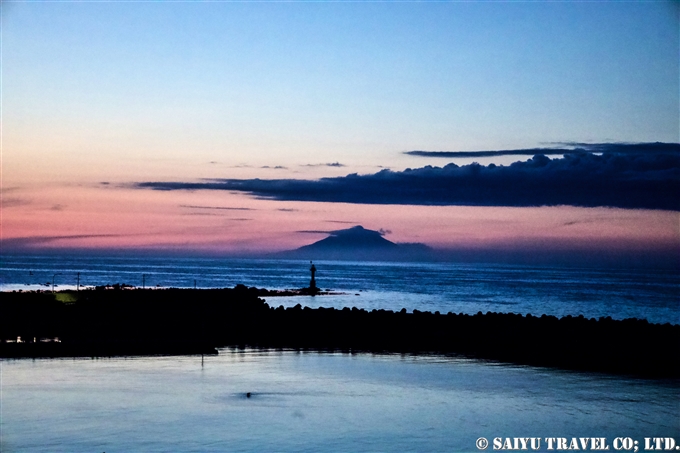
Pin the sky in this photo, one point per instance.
(243, 127)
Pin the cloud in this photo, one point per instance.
(330, 164)
(648, 181)
(277, 167)
(14, 202)
(32, 241)
(560, 148)
(350, 231)
(228, 208)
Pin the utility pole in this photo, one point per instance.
(78, 286)
(143, 281)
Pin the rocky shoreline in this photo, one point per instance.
(115, 322)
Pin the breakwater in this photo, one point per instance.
(182, 321)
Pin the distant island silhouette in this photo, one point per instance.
(362, 244)
(359, 243)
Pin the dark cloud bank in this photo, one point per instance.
(562, 149)
(632, 176)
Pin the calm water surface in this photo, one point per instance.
(327, 402)
(460, 288)
(316, 402)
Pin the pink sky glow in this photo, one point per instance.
(113, 217)
(101, 97)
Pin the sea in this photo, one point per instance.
(264, 400)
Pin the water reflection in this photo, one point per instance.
(309, 401)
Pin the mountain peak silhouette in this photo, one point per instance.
(354, 237)
(358, 243)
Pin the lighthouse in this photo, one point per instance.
(312, 281)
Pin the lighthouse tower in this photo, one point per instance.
(312, 282)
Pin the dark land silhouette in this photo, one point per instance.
(359, 243)
(110, 322)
